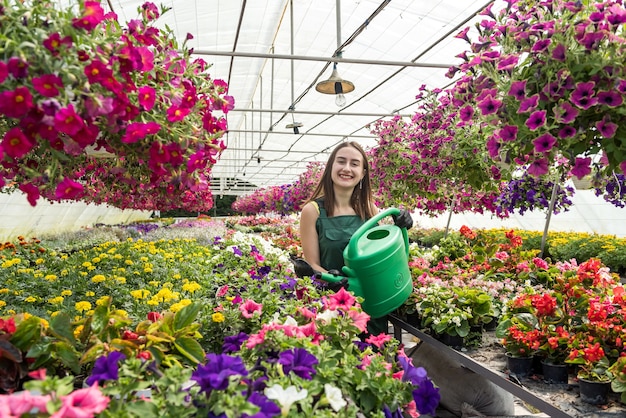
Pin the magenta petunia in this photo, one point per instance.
(493, 147)
(68, 189)
(508, 62)
(584, 95)
(48, 85)
(92, 15)
(528, 104)
(489, 105)
(606, 128)
(508, 133)
(610, 98)
(463, 35)
(622, 166)
(177, 113)
(16, 103)
(18, 67)
(536, 120)
(249, 308)
(31, 191)
(16, 144)
(97, 71)
(518, 89)
(567, 132)
(558, 53)
(146, 97)
(538, 167)
(544, 143)
(541, 45)
(137, 131)
(68, 121)
(582, 167)
(466, 113)
(565, 113)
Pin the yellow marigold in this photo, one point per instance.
(128, 262)
(83, 273)
(86, 264)
(143, 259)
(120, 270)
(153, 283)
(98, 278)
(180, 305)
(11, 312)
(218, 317)
(45, 324)
(39, 261)
(96, 259)
(64, 257)
(91, 268)
(38, 275)
(2, 303)
(64, 272)
(4, 291)
(50, 277)
(176, 276)
(152, 302)
(57, 300)
(102, 301)
(120, 279)
(83, 306)
(90, 294)
(140, 293)
(78, 330)
(66, 292)
(118, 257)
(122, 313)
(30, 299)
(191, 287)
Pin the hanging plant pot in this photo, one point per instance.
(582, 184)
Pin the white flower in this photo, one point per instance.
(334, 396)
(327, 315)
(290, 321)
(286, 397)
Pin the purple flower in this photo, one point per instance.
(237, 251)
(426, 396)
(536, 120)
(508, 62)
(541, 45)
(591, 40)
(583, 95)
(268, 408)
(610, 98)
(508, 133)
(489, 105)
(466, 113)
(299, 361)
(582, 167)
(538, 167)
(565, 113)
(214, 375)
(106, 368)
(567, 132)
(493, 147)
(232, 343)
(544, 143)
(518, 89)
(606, 128)
(558, 53)
(528, 104)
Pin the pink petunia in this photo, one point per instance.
(146, 97)
(93, 14)
(82, 403)
(68, 189)
(360, 319)
(340, 300)
(249, 308)
(538, 167)
(16, 103)
(48, 85)
(378, 340)
(582, 167)
(544, 143)
(68, 121)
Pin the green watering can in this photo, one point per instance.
(377, 265)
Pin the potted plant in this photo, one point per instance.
(593, 373)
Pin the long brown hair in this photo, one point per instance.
(362, 200)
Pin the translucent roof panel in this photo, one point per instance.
(272, 54)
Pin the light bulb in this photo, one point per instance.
(340, 100)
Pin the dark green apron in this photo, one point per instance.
(334, 234)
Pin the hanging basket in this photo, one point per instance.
(582, 184)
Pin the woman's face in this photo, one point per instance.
(348, 168)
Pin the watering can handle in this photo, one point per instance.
(372, 222)
(327, 277)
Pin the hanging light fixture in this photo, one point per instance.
(335, 84)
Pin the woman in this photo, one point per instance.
(340, 204)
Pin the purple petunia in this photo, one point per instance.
(584, 96)
(606, 128)
(558, 53)
(106, 368)
(215, 374)
(518, 89)
(299, 361)
(582, 167)
(489, 105)
(565, 113)
(567, 132)
(536, 120)
(610, 98)
(538, 167)
(426, 396)
(508, 133)
(232, 343)
(528, 104)
(544, 143)
(268, 408)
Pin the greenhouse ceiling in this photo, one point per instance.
(273, 54)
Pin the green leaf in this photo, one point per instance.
(27, 334)
(67, 354)
(9, 351)
(61, 326)
(190, 348)
(186, 316)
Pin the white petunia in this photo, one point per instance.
(286, 397)
(335, 397)
(327, 315)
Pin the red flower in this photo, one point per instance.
(15, 144)
(47, 85)
(68, 189)
(93, 14)
(146, 97)
(16, 103)
(154, 316)
(68, 121)
(593, 353)
(177, 113)
(545, 304)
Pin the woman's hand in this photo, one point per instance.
(403, 220)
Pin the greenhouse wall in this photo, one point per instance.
(588, 213)
(20, 218)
